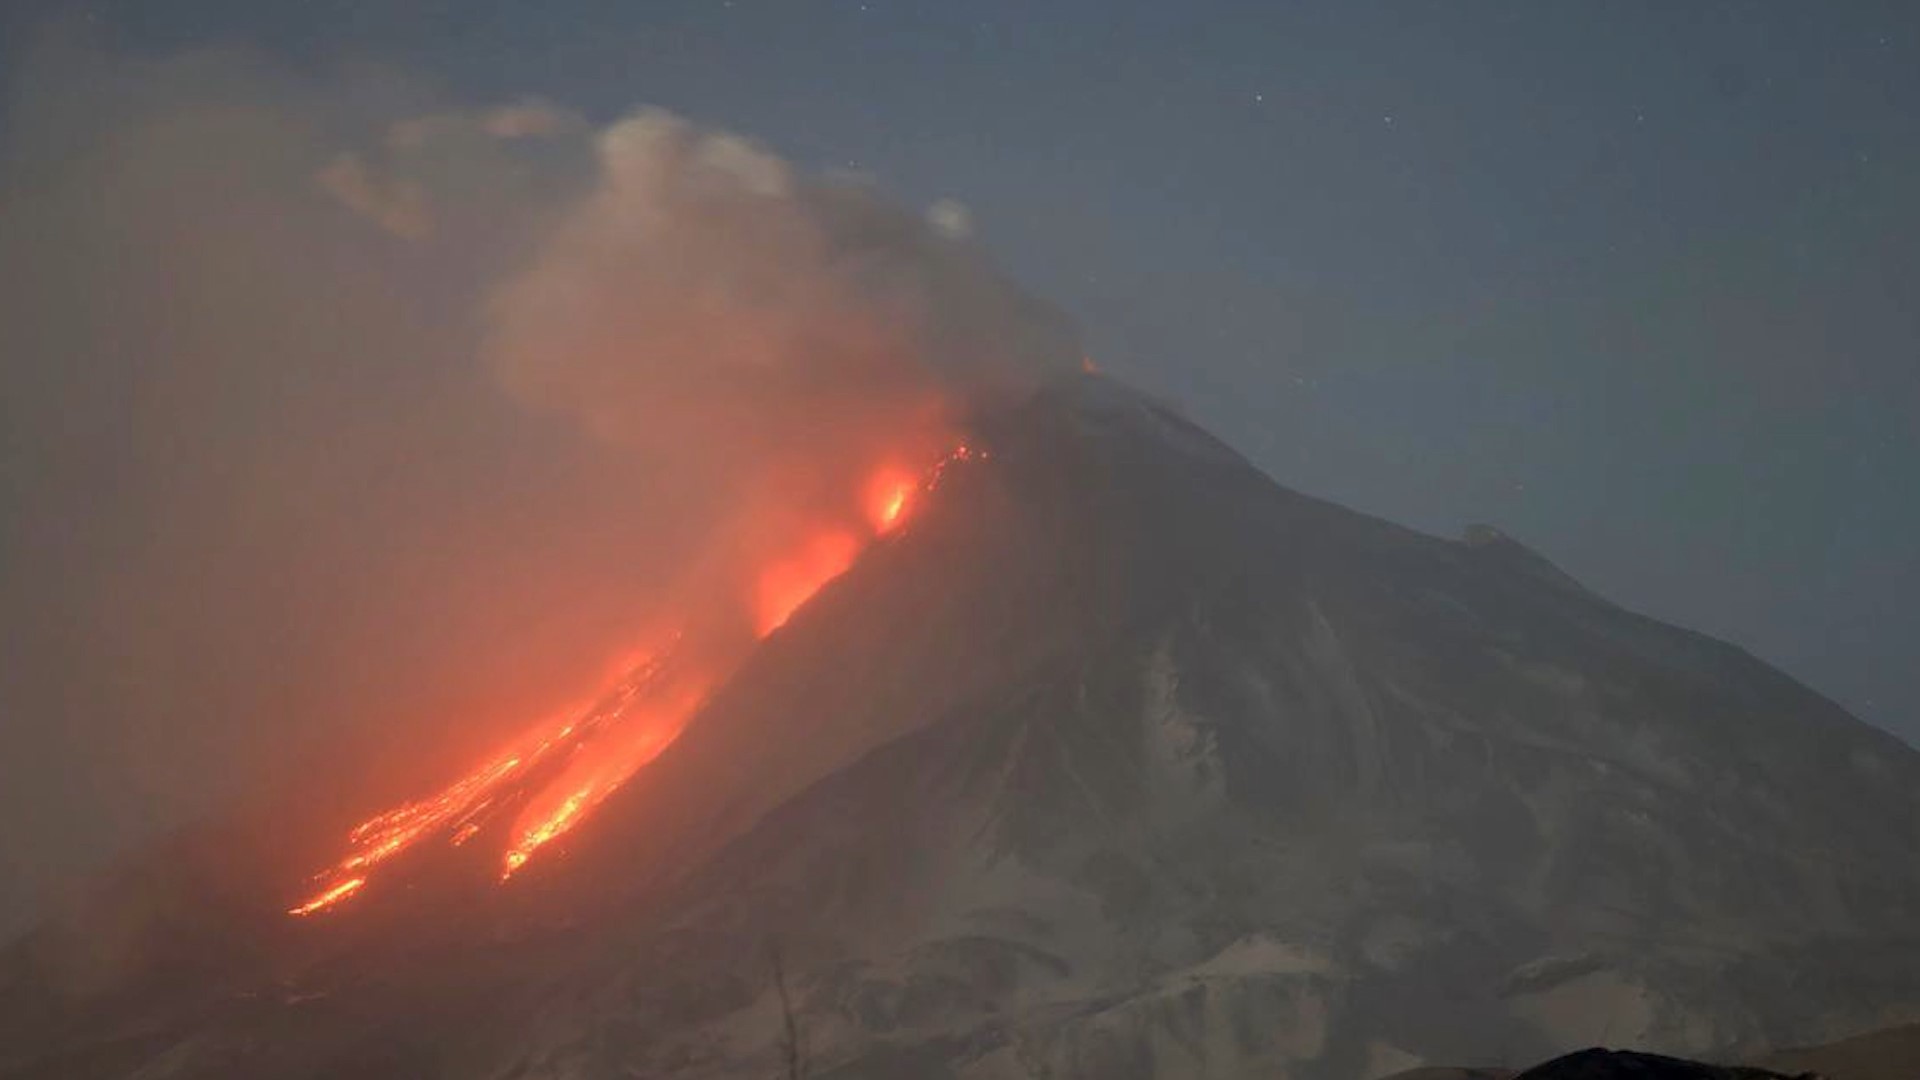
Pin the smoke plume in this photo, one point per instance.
(346, 426)
(768, 332)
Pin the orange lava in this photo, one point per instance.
(791, 582)
(330, 897)
(601, 767)
(460, 806)
(889, 496)
(557, 773)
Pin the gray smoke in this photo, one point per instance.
(344, 425)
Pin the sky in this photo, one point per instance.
(1634, 282)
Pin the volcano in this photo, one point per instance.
(1116, 759)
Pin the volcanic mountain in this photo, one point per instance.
(1120, 760)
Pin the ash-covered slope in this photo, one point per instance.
(1124, 761)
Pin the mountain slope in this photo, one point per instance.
(1125, 761)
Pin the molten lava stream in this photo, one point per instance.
(889, 497)
(791, 582)
(599, 767)
(563, 768)
(330, 897)
(458, 806)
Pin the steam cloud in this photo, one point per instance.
(704, 280)
(769, 332)
(283, 481)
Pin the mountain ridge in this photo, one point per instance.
(1124, 760)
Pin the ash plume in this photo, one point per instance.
(767, 331)
(346, 424)
(706, 281)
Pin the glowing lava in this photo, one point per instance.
(889, 495)
(462, 806)
(644, 731)
(791, 582)
(330, 897)
(555, 775)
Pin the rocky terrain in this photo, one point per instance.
(1122, 761)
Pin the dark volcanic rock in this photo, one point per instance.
(1123, 761)
(1598, 1064)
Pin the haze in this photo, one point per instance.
(283, 491)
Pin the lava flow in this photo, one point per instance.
(792, 581)
(550, 779)
(462, 807)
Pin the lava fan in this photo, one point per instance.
(552, 778)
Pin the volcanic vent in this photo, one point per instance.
(1115, 760)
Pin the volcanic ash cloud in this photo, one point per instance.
(705, 293)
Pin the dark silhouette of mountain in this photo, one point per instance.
(1893, 1054)
(1599, 1064)
(1121, 761)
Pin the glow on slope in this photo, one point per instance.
(556, 774)
(329, 897)
(792, 581)
(460, 806)
(644, 731)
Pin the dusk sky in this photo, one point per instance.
(1638, 283)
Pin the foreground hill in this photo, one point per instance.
(1893, 1054)
(1600, 1064)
